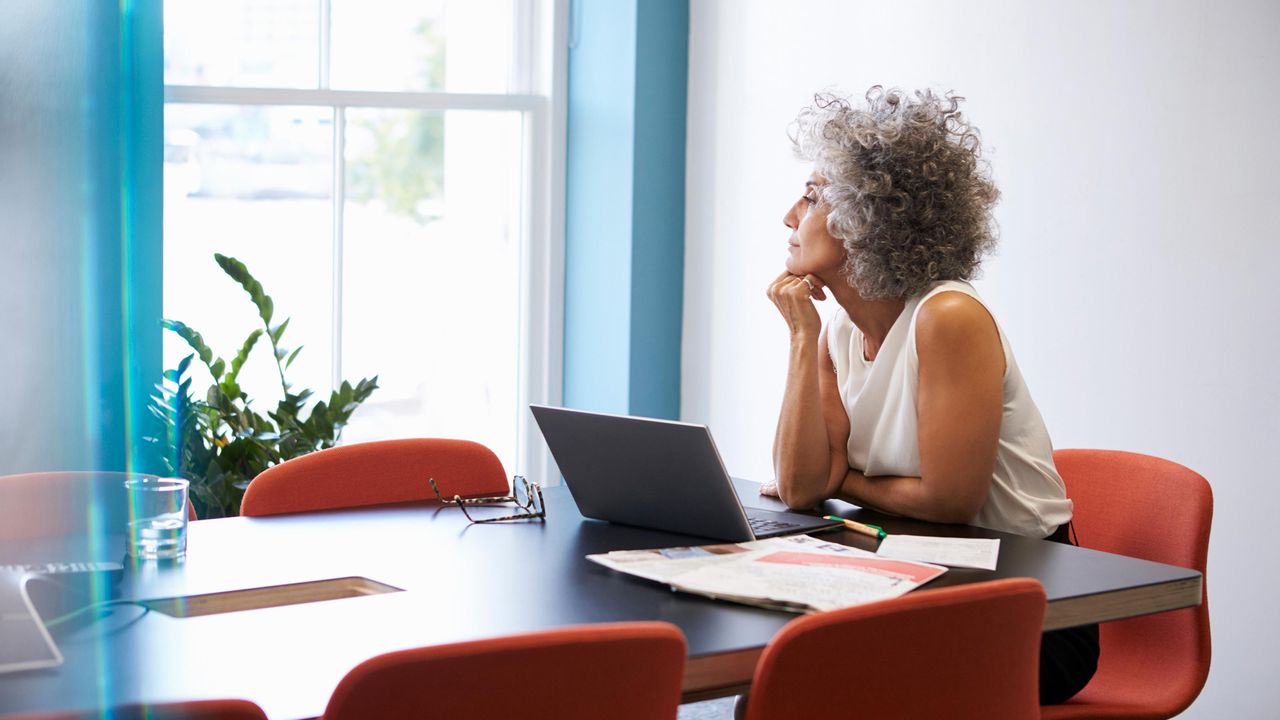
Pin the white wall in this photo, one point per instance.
(1135, 144)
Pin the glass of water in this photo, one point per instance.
(157, 517)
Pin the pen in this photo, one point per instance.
(874, 531)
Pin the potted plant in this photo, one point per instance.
(220, 441)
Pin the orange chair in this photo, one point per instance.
(620, 671)
(971, 651)
(1144, 507)
(198, 710)
(41, 504)
(375, 473)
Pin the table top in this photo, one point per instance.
(463, 582)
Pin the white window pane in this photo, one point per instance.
(431, 279)
(253, 183)
(254, 43)
(436, 45)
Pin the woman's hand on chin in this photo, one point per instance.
(793, 295)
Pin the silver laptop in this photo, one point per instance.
(656, 474)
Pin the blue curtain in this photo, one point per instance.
(81, 176)
(624, 211)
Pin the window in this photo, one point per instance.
(391, 173)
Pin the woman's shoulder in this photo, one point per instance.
(951, 306)
(950, 303)
(951, 318)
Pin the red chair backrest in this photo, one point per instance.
(375, 473)
(52, 503)
(1155, 509)
(962, 652)
(197, 710)
(620, 671)
(45, 504)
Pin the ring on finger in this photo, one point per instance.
(809, 282)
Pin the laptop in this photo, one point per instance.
(39, 602)
(656, 474)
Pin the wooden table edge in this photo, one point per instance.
(717, 675)
(1124, 604)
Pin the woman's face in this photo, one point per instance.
(811, 249)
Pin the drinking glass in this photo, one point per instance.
(157, 517)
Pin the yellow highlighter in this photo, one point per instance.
(874, 531)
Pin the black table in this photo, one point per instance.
(463, 582)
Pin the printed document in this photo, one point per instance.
(980, 553)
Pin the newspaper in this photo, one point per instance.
(795, 574)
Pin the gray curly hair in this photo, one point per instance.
(907, 190)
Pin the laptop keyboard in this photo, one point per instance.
(768, 525)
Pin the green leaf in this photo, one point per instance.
(194, 340)
(365, 388)
(238, 361)
(278, 331)
(237, 271)
(292, 356)
(206, 501)
(231, 388)
(217, 367)
(219, 401)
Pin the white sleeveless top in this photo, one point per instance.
(1027, 496)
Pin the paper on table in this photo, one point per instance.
(980, 553)
(801, 580)
(796, 573)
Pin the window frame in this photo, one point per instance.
(539, 83)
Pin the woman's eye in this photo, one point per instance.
(811, 199)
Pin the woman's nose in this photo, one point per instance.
(790, 219)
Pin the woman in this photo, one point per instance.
(909, 400)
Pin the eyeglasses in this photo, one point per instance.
(526, 496)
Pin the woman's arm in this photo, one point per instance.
(802, 446)
(959, 407)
